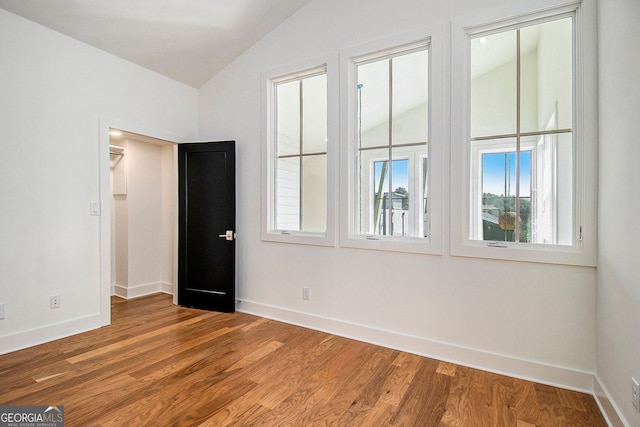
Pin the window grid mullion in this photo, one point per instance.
(291, 156)
(274, 177)
(390, 185)
(359, 159)
(408, 144)
(522, 134)
(300, 150)
(518, 113)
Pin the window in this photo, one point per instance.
(301, 145)
(521, 79)
(522, 138)
(391, 142)
(389, 203)
(298, 151)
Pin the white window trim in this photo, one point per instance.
(348, 238)
(268, 78)
(583, 252)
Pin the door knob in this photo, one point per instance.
(228, 235)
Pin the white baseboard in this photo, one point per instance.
(24, 339)
(529, 370)
(128, 292)
(609, 409)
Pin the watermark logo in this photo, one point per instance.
(31, 416)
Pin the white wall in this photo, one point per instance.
(618, 293)
(53, 91)
(530, 320)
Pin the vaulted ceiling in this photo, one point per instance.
(186, 40)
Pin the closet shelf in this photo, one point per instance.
(116, 150)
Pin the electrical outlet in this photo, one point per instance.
(306, 293)
(54, 301)
(635, 393)
(1, 311)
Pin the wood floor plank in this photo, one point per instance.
(161, 364)
(425, 400)
(357, 392)
(503, 402)
(213, 375)
(445, 368)
(396, 385)
(362, 394)
(550, 407)
(169, 366)
(527, 408)
(282, 389)
(297, 353)
(459, 405)
(379, 415)
(134, 341)
(269, 375)
(187, 355)
(250, 359)
(321, 384)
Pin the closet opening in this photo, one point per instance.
(143, 226)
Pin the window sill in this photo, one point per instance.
(507, 251)
(298, 238)
(391, 244)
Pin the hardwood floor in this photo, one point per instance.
(159, 365)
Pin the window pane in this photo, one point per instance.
(400, 198)
(552, 195)
(288, 194)
(366, 181)
(391, 198)
(379, 222)
(409, 82)
(288, 118)
(564, 189)
(314, 114)
(373, 104)
(493, 88)
(314, 193)
(546, 72)
(425, 199)
(504, 205)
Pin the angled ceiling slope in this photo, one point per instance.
(186, 40)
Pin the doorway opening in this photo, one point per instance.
(143, 215)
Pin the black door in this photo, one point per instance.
(207, 216)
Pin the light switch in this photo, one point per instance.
(95, 208)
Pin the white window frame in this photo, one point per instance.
(269, 79)
(348, 167)
(487, 147)
(414, 159)
(583, 251)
